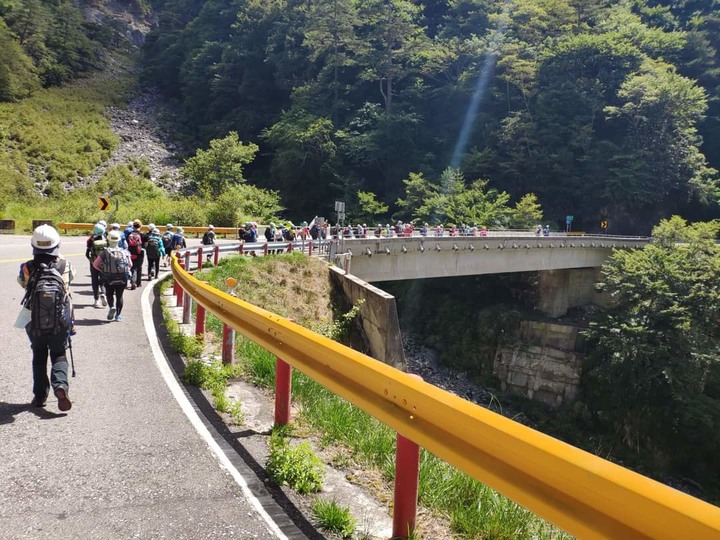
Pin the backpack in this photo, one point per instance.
(208, 239)
(153, 247)
(134, 244)
(98, 244)
(48, 301)
(167, 240)
(115, 267)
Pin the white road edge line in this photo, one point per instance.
(191, 414)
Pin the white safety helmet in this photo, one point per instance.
(211, 227)
(169, 226)
(151, 226)
(45, 239)
(113, 238)
(115, 226)
(103, 223)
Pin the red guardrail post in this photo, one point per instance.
(310, 247)
(407, 470)
(180, 294)
(290, 247)
(217, 255)
(283, 391)
(200, 258)
(228, 345)
(241, 248)
(200, 321)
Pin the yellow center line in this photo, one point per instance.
(23, 259)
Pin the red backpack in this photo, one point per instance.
(134, 245)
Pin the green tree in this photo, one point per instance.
(370, 209)
(211, 172)
(527, 213)
(650, 355)
(17, 73)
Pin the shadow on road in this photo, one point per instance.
(8, 412)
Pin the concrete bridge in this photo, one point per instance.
(568, 266)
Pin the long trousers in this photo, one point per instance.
(115, 296)
(55, 345)
(95, 282)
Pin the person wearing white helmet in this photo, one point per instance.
(208, 239)
(116, 227)
(96, 242)
(46, 279)
(114, 265)
(178, 240)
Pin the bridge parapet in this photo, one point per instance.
(389, 259)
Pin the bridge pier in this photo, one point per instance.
(560, 290)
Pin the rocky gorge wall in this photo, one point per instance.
(544, 364)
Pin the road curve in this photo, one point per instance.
(125, 462)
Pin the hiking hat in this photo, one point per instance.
(136, 224)
(211, 227)
(169, 226)
(180, 230)
(45, 239)
(103, 223)
(98, 229)
(130, 223)
(151, 226)
(114, 226)
(113, 238)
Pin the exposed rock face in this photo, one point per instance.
(544, 365)
(139, 130)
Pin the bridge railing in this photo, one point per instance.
(579, 492)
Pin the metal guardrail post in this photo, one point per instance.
(216, 257)
(228, 345)
(407, 470)
(265, 250)
(200, 258)
(200, 322)
(290, 247)
(179, 292)
(187, 308)
(241, 248)
(187, 261)
(283, 392)
(310, 248)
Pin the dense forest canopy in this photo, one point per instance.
(601, 109)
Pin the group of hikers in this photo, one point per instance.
(116, 261)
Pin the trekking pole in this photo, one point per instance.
(72, 359)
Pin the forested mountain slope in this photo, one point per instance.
(601, 108)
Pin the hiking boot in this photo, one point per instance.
(103, 299)
(97, 303)
(118, 317)
(38, 401)
(133, 286)
(64, 403)
(111, 313)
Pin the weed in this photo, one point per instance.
(296, 466)
(334, 518)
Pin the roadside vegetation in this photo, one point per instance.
(298, 286)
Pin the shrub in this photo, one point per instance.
(334, 518)
(297, 466)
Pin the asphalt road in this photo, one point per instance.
(125, 462)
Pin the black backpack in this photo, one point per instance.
(208, 238)
(48, 301)
(153, 247)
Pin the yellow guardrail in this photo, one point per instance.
(190, 229)
(579, 492)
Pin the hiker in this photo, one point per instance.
(116, 227)
(46, 279)
(178, 240)
(208, 239)
(167, 243)
(154, 250)
(94, 245)
(137, 254)
(270, 232)
(114, 265)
